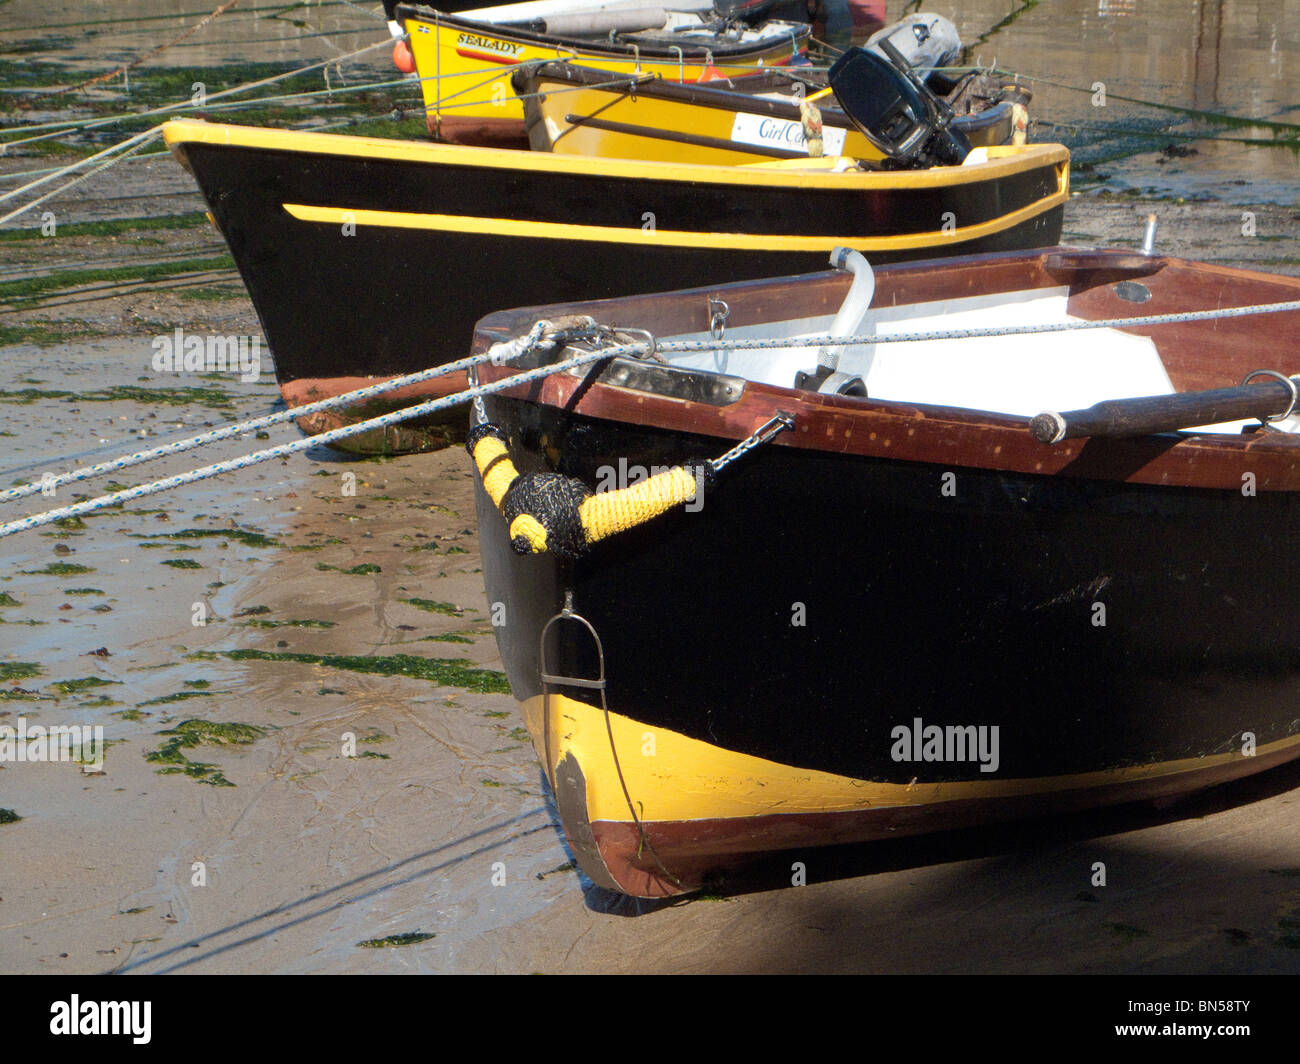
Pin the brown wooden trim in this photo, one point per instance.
(1202, 355)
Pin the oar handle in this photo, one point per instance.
(1266, 399)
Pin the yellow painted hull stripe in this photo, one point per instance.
(672, 777)
(609, 234)
(1003, 161)
(439, 54)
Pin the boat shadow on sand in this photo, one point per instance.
(265, 925)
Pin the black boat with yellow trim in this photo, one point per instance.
(901, 613)
(369, 258)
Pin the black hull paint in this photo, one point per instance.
(976, 609)
(387, 301)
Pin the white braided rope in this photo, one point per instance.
(284, 450)
(825, 339)
(498, 355)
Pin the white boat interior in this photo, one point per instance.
(1021, 375)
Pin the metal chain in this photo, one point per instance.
(769, 430)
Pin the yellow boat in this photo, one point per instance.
(465, 66)
(573, 110)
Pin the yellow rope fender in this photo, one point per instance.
(552, 512)
(810, 116)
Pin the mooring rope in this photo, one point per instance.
(826, 339)
(221, 9)
(171, 108)
(137, 143)
(58, 172)
(495, 355)
(498, 355)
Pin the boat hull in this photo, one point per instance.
(1121, 612)
(370, 259)
(770, 734)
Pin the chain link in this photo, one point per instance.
(769, 430)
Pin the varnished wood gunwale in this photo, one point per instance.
(1201, 355)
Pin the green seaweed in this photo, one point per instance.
(98, 702)
(59, 569)
(27, 290)
(212, 398)
(445, 672)
(288, 624)
(181, 563)
(357, 570)
(213, 295)
(193, 732)
(57, 332)
(408, 938)
(179, 696)
(248, 539)
(7, 599)
(82, 591)
(70, 687)
(18, 670)
(430, 606)
(8, 816)
(108, 227)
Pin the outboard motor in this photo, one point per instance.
(926, 41)
(895, 110)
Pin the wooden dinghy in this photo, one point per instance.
(898, 611)
(577, 110)
(464, 63)
(892, 106)
(369, 258)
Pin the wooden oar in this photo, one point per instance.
(1265, 398)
